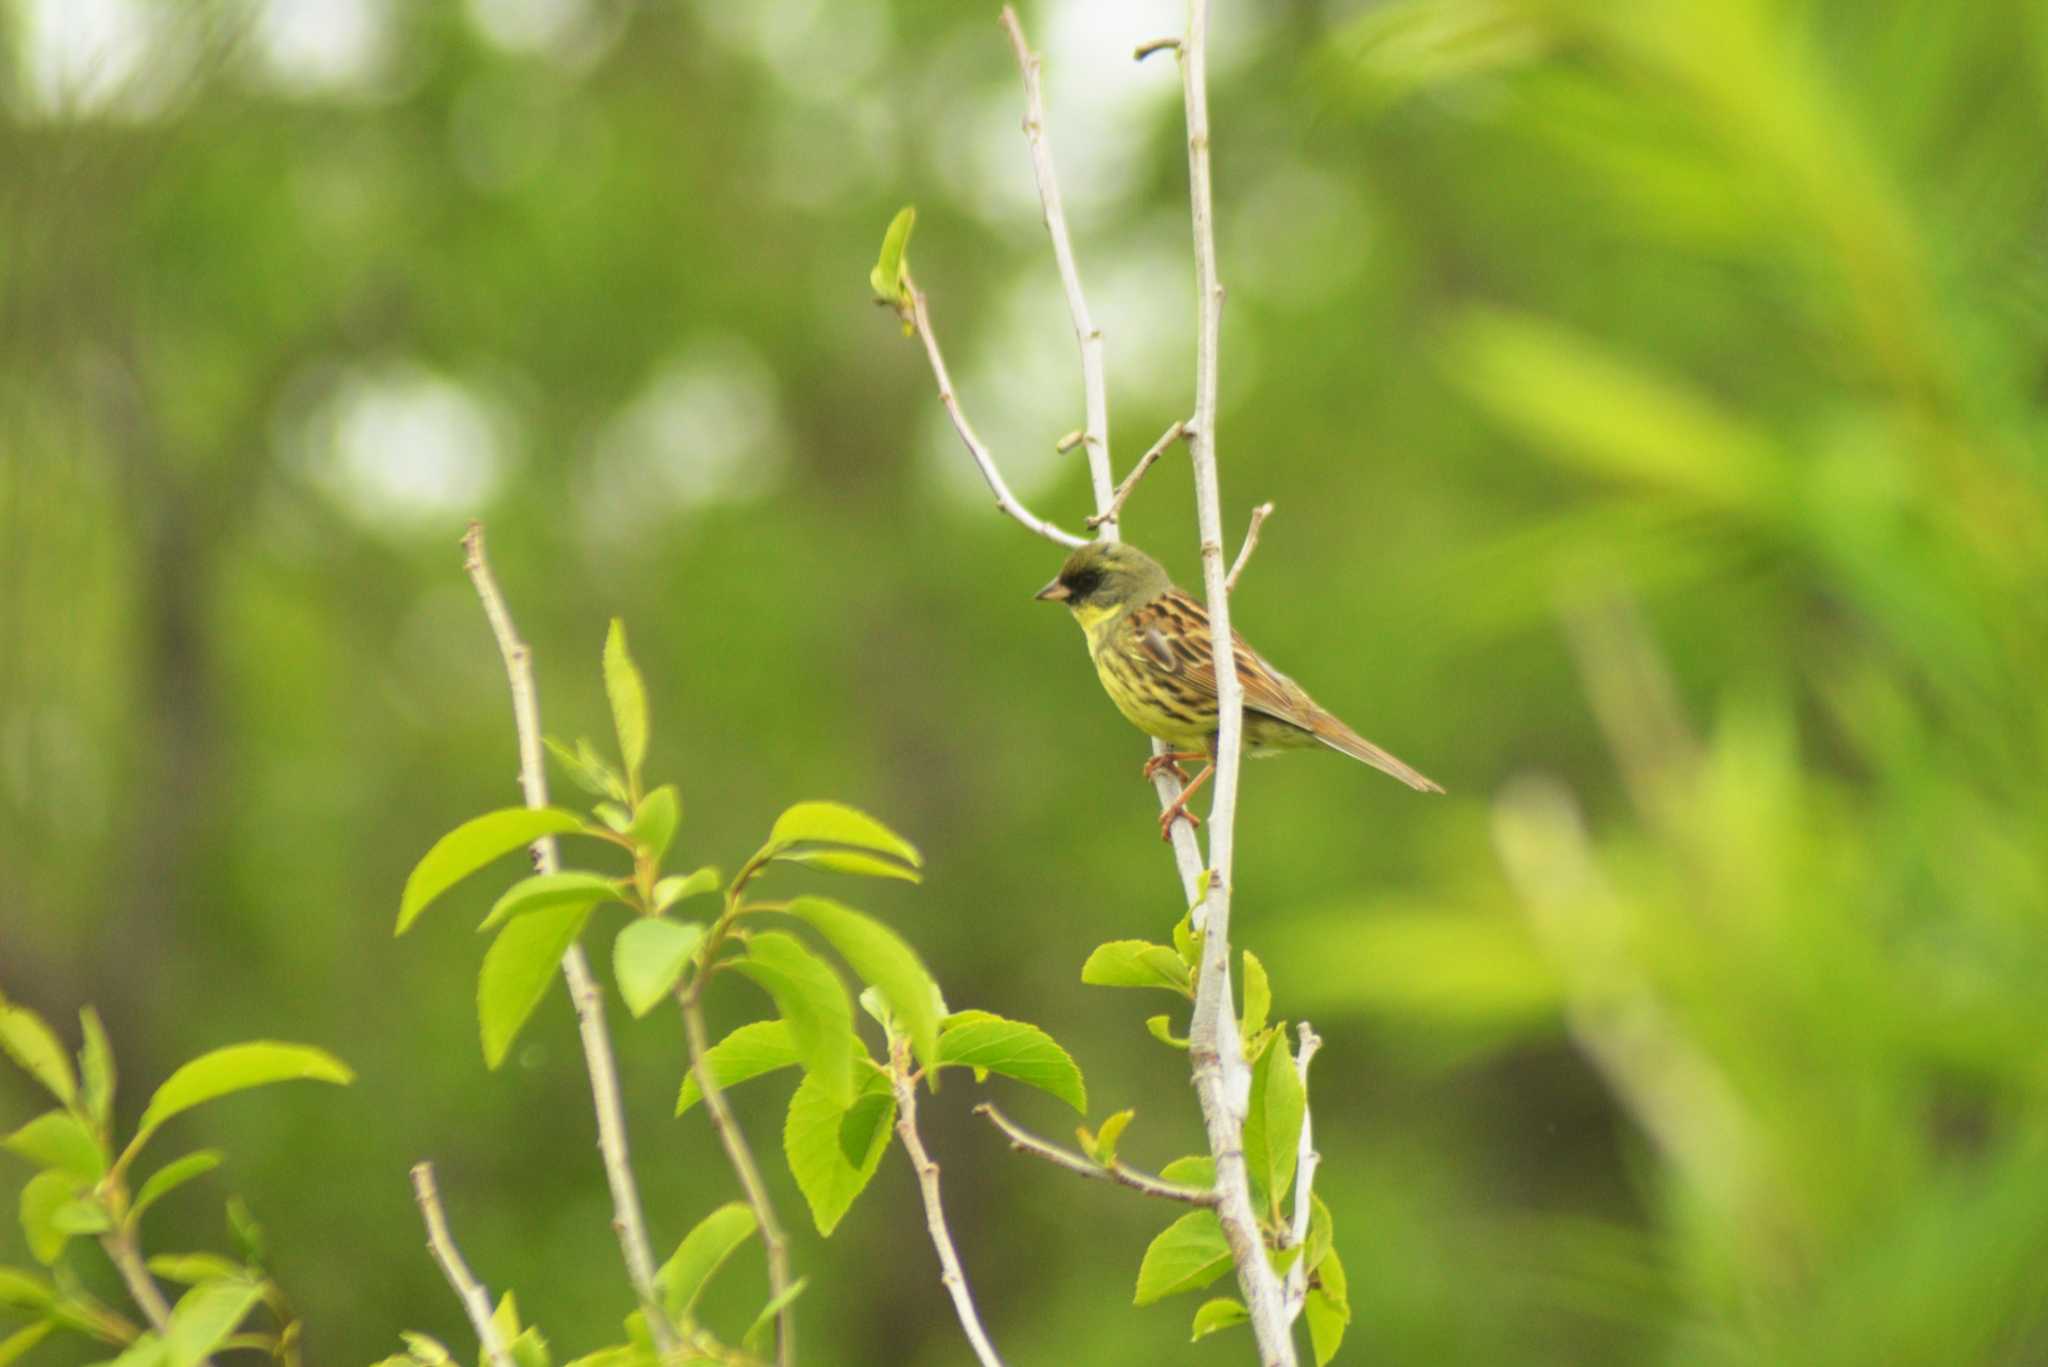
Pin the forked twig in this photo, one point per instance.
(476, 1302)
(1023, 1141)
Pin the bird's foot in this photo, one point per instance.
(1170, 759)
(1177, 811)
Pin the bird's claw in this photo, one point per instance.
(1177, 812)
(1168, 759)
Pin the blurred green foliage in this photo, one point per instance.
(1652, 399)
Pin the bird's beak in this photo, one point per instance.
(1055, 592)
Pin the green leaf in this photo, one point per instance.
(529, 1348)
(1258, 996)
(24, 1290)
(980, 1040)
(676, 887)
(614, 816)
(1137, 963)
(810, 1141)
(1188, 1255)
(1221, 1313)
(204, 1317)
(517, 969)
(618, 1355)
(505, 1319)
(81, 1215)
(1328, 1309)
(1104, 1148)
(649, 956)
(702, 1252)
(190, 1269)
(814, 1003)
(832, 835)
(473, 844)
(237, 1068)
(748, 1052)
(21, 1340)
(34, 1047)
(59, 1139)
(544, 891)
(426, 1349)
(628, 695)
(887, 277)
(587, 770)
(866, 1122)
(1321, 1232)
(42, 1196)
(758, 1336)
(248, 1234)
(96, 1068)
(1195, 1170)
(655, 819)
(1187, 941)
(1272, 1125)
(1161, 1029)
(881, 958)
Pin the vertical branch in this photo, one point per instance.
(1306, 1161)
(120, 1247)
(1093, 383)
(475, 1300)
(583, 990)
(742, 1159)
(905, 1087)
(1222, 1081)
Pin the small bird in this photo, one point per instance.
(1151, 647)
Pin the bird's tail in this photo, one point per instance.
(1344, 740)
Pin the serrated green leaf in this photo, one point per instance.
(59, 1139)
(1321, 1233)
(42, 1196)
(427, 1350)
(237, 1068)
(748, 1052)
(810, 1141)
(1272, 1125)
(1188, 1255)
(655, 820)
(842, 859)
(81, 1215)
(190, 1269)
(882, 958)
(1137, 963)
(1161, 1029)
(758, 1336)
(649, 956)
(676, 887)
(204, 1317)
(585, 770)
(505, 1319)
(169, 1177)
(473, 844)
(516, 973)
(1015, 1049)
(1221, 1313)
(21, 1340)
(886, 278)
(1106, 1138)
(702, 1252)
(1281, 1259)
(1195, 1170)
(34, 1047)
(814, 1002)
(24, 1290)
(96, 1070)
(547, 891)
(628, 695)
(866, 1123)
(1328, 1309)
(529, 1348)
(832, 835)
(1258, 996)
(1187, 941)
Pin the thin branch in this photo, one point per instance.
(1123, 491)
(475, 1300)
(1144, 50)
(1251, 543)
(1094, 385)
(742, 1159)
(627, 1220)
(1306, 1161)
(119, 1243)
(1023, 1141)
(955, 1280)
(1222, 1082)
(920, 319)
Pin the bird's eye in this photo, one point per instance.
(1083, 584)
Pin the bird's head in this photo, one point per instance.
(1104, 578)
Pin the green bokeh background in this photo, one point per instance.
(1652, 399)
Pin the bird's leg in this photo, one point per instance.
(1179, 806)
(1171, 759)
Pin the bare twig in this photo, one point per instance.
(1251, 543)
(1123, 491)
(475, 1300)
(742, 1159)
(122, 1250)
(1023, 1141)
(1094, 386)
(1222, 1082)
(905, 1086)
(1306, 1161)
(627, 1220)
(1144, 50)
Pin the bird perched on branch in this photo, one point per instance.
(1151, 647)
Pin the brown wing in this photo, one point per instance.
(1173, 629)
